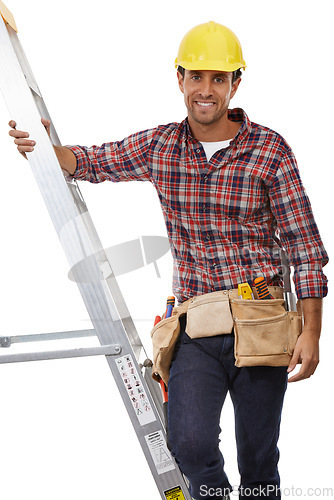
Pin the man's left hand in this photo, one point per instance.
(306, 352)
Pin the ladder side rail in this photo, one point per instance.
(155, 391)
(77, 246)
(78, 199)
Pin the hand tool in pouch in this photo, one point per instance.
(245, 291)
(289, 297)
(261, 287)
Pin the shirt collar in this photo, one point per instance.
(235, 115)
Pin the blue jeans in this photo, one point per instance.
(202, 372)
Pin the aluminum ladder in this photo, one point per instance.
(113, 325)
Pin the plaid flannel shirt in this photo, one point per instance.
(228, 217)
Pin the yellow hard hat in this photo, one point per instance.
(210, 46)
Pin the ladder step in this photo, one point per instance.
(39, 337)
(106, 350)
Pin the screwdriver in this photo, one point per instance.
(261, 287)
(170, 306)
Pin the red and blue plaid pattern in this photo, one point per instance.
(227, 218)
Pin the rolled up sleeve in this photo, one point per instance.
(298, 230)
(124, 160)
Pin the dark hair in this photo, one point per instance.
(235, 75)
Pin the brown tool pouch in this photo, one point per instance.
(209, 315)
(164, 336)
(265, 333)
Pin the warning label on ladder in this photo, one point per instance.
(160, 453)
(135, 389)
(174, 494)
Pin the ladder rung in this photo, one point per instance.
(7, 341)
(106, 350)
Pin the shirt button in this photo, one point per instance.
(198, 150)
(205, 178)
(207, 237)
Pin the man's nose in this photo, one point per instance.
(205, 89)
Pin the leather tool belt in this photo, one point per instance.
(265, 333)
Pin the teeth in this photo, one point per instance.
(205, 104)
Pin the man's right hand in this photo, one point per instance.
(24, 144)
(66, 157)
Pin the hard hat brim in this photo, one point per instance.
(210, 65)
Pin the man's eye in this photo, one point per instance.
(195, 77)
(219, 80)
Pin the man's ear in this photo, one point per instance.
(235, 87)
(180, 80)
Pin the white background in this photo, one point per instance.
(106, 70)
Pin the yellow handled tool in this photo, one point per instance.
(245, 291)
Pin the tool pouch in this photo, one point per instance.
(265, 333)
(164, 336)
(209, 315)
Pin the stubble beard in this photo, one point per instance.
(206, 120)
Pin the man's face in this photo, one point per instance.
(207, 94)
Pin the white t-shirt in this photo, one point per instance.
(211, 147)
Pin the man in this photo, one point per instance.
(231, 195)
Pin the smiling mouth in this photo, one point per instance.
(205, 104)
